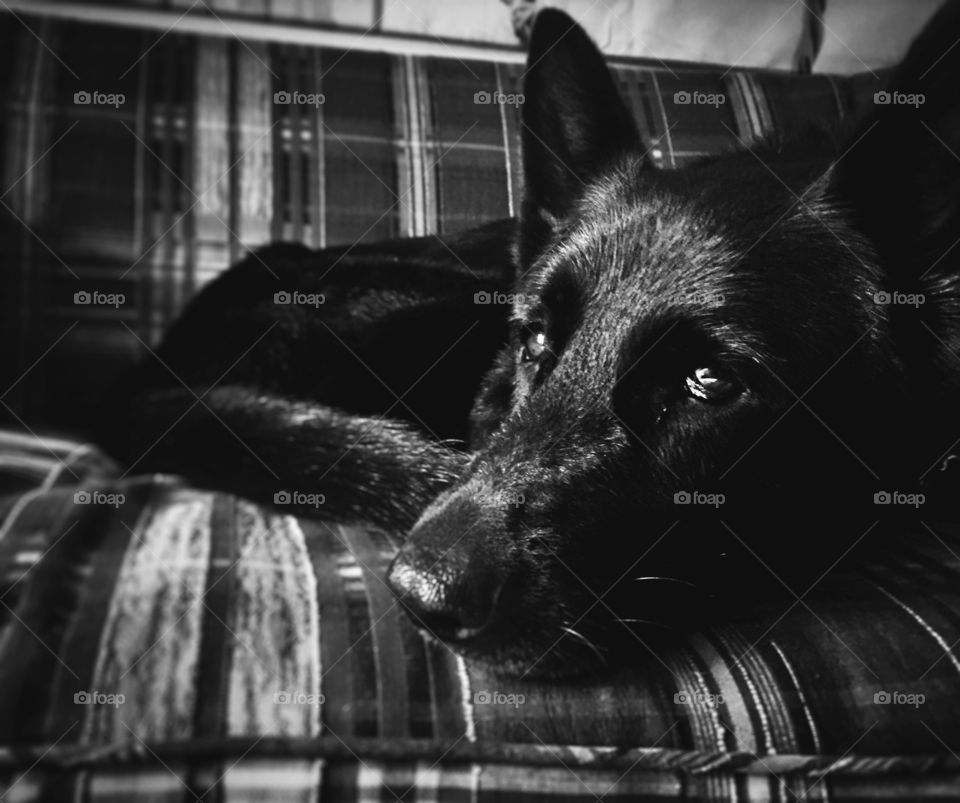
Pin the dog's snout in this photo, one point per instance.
(445, 578)
(453, 606)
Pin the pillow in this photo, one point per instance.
(156, 637)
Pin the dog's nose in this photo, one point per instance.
(453, 606)
(445, 581)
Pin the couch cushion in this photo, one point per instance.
(218, 643)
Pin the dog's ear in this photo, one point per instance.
(574, 123)
(900, 172)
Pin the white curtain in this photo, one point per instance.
(859, 35)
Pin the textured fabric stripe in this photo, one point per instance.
(453, 784)
(215, 634)
(738, 707)
(274, 684)
(466, 699)
(213, 667)
(150, 643)
(703, 719)
(797, 690)
(392, 691)
(318, 173)
(31, 622)
(63, 603)
(724, 787)
(294, 133)
(448, 684)
(210, 159)
(169, 227)
(925, 624)
(147, 785)
(751, 109)
(424, 139)
(744, 110)
(369, 783)
(95, 555)
(43, 451)
(45, 468)
(417, 199)
(499, 782)
(421, 703)
(254, 145)
(362, 656)
(772, 712)
(405, 118)
(276, 781)
(399, 781)
(929, 565)
(336, 682)
(760, 103)
(28, 531)
(829, 664)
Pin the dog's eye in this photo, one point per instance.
(535, 346)
(712, 385)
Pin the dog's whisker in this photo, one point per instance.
(667, 580)
(586, 641)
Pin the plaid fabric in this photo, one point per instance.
(152, 197)
(161, 643)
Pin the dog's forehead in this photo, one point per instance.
(659, 258)
(702, 237)
(633, 246)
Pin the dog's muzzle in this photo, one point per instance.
(447, 576)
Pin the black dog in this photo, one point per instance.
(700, 379)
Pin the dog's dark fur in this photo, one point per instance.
(710, 329)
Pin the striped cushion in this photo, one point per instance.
(156, 639)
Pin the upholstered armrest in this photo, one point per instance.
(156, 636)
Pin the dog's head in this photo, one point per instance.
(712, 370)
